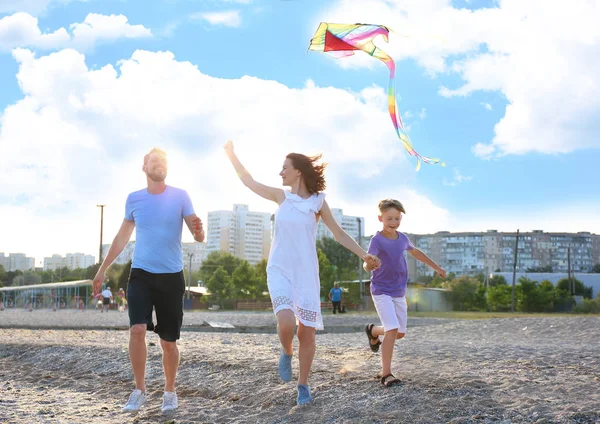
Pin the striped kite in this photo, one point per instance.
(340, 40)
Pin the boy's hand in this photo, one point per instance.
(441, 272)
(372, 262)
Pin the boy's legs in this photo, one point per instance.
(392, 313)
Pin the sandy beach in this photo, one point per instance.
(513, 370)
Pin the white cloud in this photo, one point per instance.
(482, 150)
(78, 135)
(539, 55)
(35, 7)
(458, 179)
(229, 18)
(22, 30)
(486, 105)
(97, 28)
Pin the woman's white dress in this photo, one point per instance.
(293, 266)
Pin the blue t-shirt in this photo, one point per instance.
(336, 295)
(391, 277)
(158, 223)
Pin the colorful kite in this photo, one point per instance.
(340, 40)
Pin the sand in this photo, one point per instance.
(521, 370)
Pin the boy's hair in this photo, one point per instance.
(386, 204)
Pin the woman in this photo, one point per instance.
(293, 267)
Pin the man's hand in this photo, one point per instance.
(98, 280)
(198, 230)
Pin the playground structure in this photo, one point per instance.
(65, 295)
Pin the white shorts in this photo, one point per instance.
(392, 312)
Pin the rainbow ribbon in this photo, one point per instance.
(341, 40)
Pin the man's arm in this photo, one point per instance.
(117, 246)
(195, 225)
(420, 256)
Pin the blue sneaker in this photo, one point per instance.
(303, 394)
(285, 366)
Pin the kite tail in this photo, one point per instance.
(395, 115)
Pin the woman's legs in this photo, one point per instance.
(306, 339)
(286, 324)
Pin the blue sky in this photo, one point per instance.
(495, 89)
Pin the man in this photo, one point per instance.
(335, 297)
(156, 279)
(106, 299)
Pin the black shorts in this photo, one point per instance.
(164, 292)
(106, 300)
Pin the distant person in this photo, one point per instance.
(388, 284)
(335, 297)
(121, 300)
(106, 299)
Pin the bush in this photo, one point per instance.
(466, 294)
(589, 306)
(500, 298)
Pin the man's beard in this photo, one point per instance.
(157, 177)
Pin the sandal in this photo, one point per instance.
(374, 347)
(385, 380)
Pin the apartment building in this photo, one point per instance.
(241, 232)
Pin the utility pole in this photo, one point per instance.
(101, 226)
(569, 270)
(515, 272)
(360, 265)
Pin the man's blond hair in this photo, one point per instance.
(157, 151)
(386, 204)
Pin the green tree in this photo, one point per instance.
(244, 281)
(30, 278)
(580, 289)
(123, 278)
(219, 285)
(346, 264)
(260, 271)
(218, 259)
(326, 274)
(2, 273)
(546, 295)
(465, 294)
(596, 269)
(563, 301)
(500, 298)
(529, 299)
(497, 280)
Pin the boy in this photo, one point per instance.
(388, 284)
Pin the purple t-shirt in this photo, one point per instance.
(391, 277)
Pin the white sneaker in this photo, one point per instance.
(135, 402)
(169, 401)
